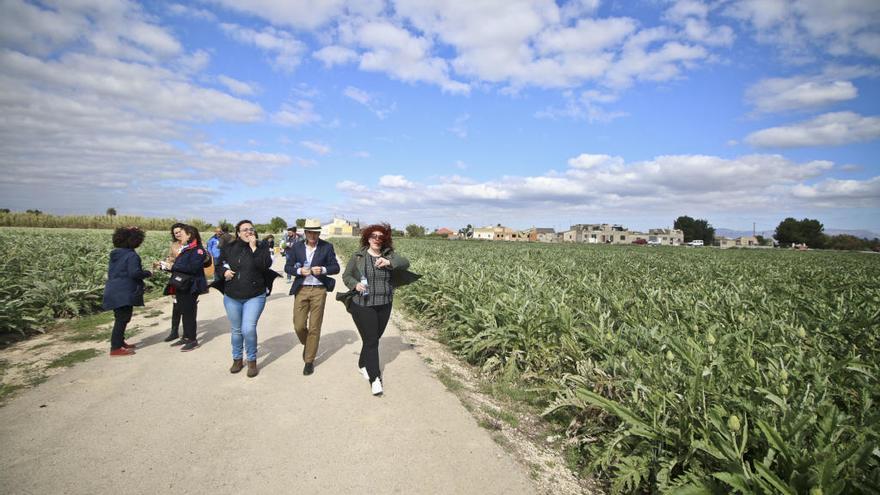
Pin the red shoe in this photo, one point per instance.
(122, 351)
(126, 345)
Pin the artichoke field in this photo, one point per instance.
(677, 370)
(60, 273)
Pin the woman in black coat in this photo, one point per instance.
(125, 285)
(188, 270)
(244, 268)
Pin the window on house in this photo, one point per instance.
(337, 231)
(623, 238)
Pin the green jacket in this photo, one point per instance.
(400, 275)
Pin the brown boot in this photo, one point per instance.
(237, 365)
(252, 369)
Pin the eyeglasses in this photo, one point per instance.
(247, 230)
(376, 236)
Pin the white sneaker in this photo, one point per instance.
(365, 374)
(377, 386)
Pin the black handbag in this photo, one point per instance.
(182, 282)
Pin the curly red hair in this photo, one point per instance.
(382, 228)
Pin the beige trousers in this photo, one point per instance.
(308, 314)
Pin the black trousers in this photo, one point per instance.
(370, 322)
(121, 318)
(188, 304)
(175, 319)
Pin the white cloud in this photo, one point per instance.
(586, 161)
(459, 127)
(286, 50)
(369, 101)
(191, 12)
(335, 55)
(236, 86)
(797, 93)
(298, 114)
(842, 193)
(303, 14)
(830, 129)
(838, 28)
(319, 148)
(395, 182)
(603, 183)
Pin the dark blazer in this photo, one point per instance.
(324, 256)
(125, 280)
(191, 262)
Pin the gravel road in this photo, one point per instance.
(164, 421)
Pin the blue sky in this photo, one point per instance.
(445, 113)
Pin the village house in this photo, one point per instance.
(666, 237)
(341, 227)
(538, 234)
(744, 241)
(444, 231)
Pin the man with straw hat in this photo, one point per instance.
(311, 263)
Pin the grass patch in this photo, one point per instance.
(504, 389)
(489, 424)
(153, 313)
(87, 329)
(452, 384)
(7, 390)
(40, 346)
(502, 415)
(74, 357)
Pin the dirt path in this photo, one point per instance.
(170, 422)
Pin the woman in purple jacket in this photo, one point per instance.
(125, 285)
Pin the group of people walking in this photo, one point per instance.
(239, 266)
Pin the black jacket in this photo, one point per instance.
(250, 269)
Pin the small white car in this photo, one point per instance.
(696, 242)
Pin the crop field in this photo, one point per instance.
(59, 273)
(675, 369)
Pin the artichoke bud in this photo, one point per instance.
(802, 332)
(670, 356)
(733, 423)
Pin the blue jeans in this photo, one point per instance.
(243, 315)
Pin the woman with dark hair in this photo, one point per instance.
(244, 268)
(374, 271)
(125, 285)
(187, 282)
(173, 251)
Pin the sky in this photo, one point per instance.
(445, 113)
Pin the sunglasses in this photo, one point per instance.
(376, 236)
(247, 230)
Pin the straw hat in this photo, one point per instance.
(312, 226)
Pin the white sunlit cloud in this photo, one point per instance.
(596, 182)
(837, 28)
(297, 114)
(798, 93)
(319, 148)
(369, 101)
(285, 50)
(236, 86)
(95, 90)
(830, 129)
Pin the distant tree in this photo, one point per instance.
(300, 222)
(847, 242)
(413, 230)
(277, 224)
(466, 232)
(111, 212)
(807, 231)
(225, 226)
(397, 233)
(695, 229)
(34, 212)
(5, 210)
